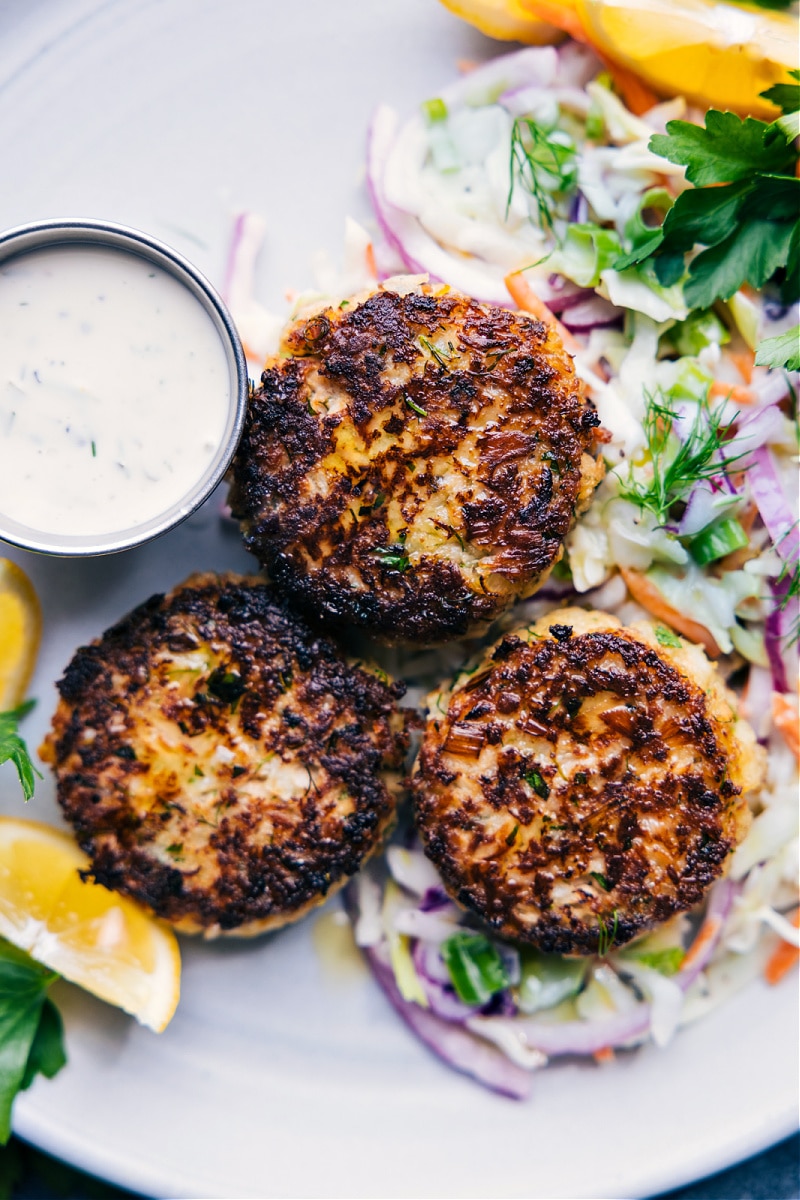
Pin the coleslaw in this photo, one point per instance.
(528, 179)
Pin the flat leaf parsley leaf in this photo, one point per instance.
(31, 1034)
(744, 208)
(13, 748)
(781, 351)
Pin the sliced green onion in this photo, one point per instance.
(656, 201)
(475, 967)
(435, 109)
(691, 381)
(595, 123)
(665, 637)
(700, 329)
(717, 541)
(667, 961)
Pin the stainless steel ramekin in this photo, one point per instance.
(81, 231)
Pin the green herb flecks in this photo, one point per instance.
(544, 163)
(475, 967)
(534, 780)
(421, 412)
(678, 464)
(393, 556)
(600, 880)
(606, 934)
(30, 1028)
(744, 207)
(94, 449)
(665, 637)
(442, 357)
(13, 748)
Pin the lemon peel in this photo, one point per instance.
(20, 631)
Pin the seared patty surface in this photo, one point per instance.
(411, 463)
(221, 762)
(584, 783)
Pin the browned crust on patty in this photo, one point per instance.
(413, 463)
(580, 788)
(222, 763)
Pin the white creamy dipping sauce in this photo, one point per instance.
(114, 390)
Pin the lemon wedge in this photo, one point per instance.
(715, 54)
(20, 629)
(718, 55)
(506, 20)
(104, 942)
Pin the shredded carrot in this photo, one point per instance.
(638, 97)
(465, 65)
(526, 299)
(648, 595)
(786, 721)
(605, 1055)
(784, 958)
(707, 933)
(744, 361)
(369, 254)
(732, 391)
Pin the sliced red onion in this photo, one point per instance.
(556, 1038)
(756, 705)
(596, 313)
(534, 66)
(707, 502)
(433, 927)
(773, 505)
(720, 903)
(776, 629)
(438, 987)
(412, 869)
(774, 635)
(435, 898)
(773, 388)
(418, 250)
(564, 298)
(764, 424)
(451, 1042)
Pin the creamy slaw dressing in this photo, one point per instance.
(114, 390)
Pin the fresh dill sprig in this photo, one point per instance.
(544, 163)
(678, 463)
(606, 935)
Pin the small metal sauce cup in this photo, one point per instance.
(40, 235)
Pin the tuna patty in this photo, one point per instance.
(222, 763)
(585, 783)
(411, 463)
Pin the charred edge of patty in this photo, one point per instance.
(264, 647)
(302, 545)
(588, 819)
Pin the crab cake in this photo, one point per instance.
(220, 762)
(585, 783)
(412, 462)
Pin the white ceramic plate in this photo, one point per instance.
(283, 1075)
